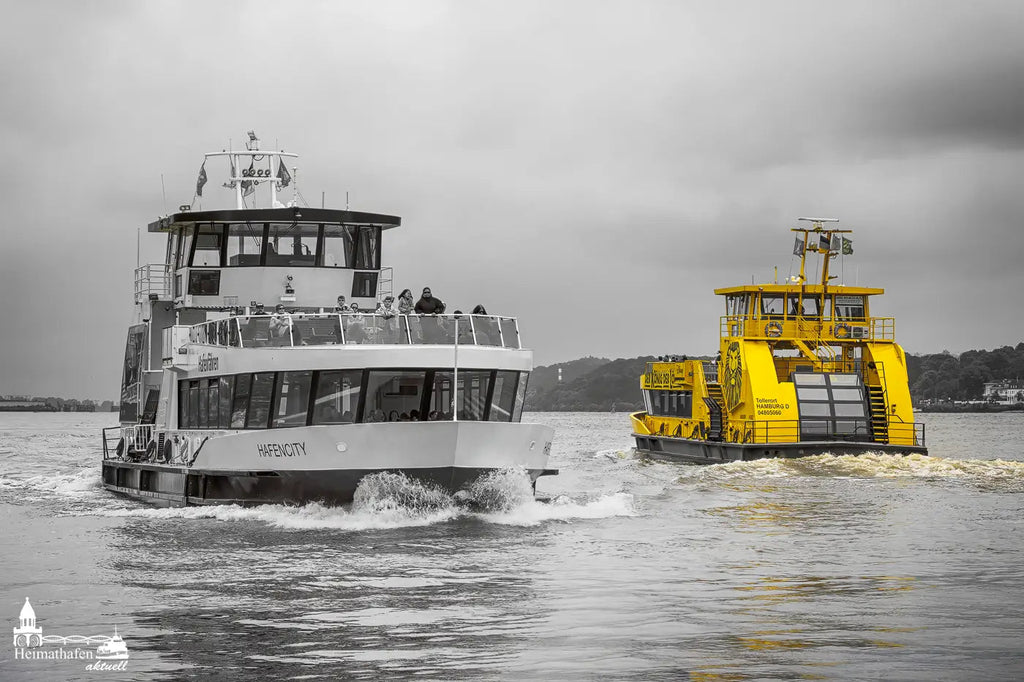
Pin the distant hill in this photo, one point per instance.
(601, 385)
(588, 385)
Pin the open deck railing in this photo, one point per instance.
(776, 327)
(850, 430)
(298, 329)
(152, 279)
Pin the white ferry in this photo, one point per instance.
(226, 399)
(114, 649)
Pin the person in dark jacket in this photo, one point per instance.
(428, 304)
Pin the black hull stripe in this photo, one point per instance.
(176, 487)
(710, 452)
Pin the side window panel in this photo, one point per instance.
(259, 400)
(292, 400)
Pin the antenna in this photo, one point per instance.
(163, 189)
(346, 201)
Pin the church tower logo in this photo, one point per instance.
(28, 634)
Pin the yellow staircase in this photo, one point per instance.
(714, 403)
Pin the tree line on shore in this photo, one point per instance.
(601, 385)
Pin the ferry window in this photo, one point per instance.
(292, 401)
(772, 304)
(648, 406)
(240, 407)
(227, 385)
(504, 397)
(204, 282)
(184, 247)
(259, 400)
(736, 304)
(339, 246)
(193, 404)
(208, 243)
(849, 307)
(391, 393)
(367, 248)
(184, 410)
(245, 243)
(337, 396)
(213, 403)
(364, 284)
(470, 397)
(517, 411)
(293, 245)
(808, 307)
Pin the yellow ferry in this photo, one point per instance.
(803, 369)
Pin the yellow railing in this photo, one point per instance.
(780, 327)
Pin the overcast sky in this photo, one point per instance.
(594, 168)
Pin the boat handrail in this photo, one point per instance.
(317, 329)
(767, 431)
(782, 327)
(153, 280)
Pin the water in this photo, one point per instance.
(822, 568)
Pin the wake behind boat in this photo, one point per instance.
(222, 402)
(804, 369)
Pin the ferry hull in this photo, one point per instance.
(326, 463)
(710, 452)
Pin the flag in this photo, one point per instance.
(836, 243)
(283, 176)
(847, 247)
(823, 243)
(798, 247)
(248, 186)
(201, 180)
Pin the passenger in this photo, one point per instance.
(414, 416)
(404, 417)
(433, 416)
(347, 417)
(405, 304)
(340, 308)
(428, 304)
(280, 326)
(387, 320)
(259, 310)
(479, 310)
(393, 416)
(386, 308)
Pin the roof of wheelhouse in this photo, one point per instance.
(275, 215)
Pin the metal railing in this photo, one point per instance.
(779, 326)
(152, 279)
(764, 431)
(298, 329)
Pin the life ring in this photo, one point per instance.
(120, 448)
(841, 327)
(151, 451)
(773, 330)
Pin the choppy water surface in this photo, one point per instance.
(822, 568)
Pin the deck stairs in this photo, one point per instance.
(714, 403)
(879, 414)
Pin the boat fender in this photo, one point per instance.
(168, 453)
(151, 451)
(841, 331)
(773, 330)
(120, 448)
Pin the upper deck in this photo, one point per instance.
(795, 309)
(258, 249)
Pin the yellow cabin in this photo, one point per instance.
(802, 369)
